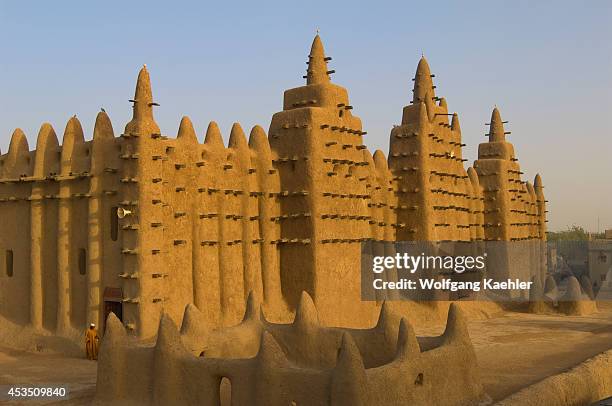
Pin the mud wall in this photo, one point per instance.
(301, 363)
(582, 385)
(276, 215)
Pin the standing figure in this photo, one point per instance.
(91, 342)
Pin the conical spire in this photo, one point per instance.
(496, 128)
(388, 322)
(306, 315)
(18, 144)
(317, 64)
(270, 354)
(103, 127)
(349, 381)
(422, 82)
(456, 331)
(537, 182)
(186, 131)
(423, 118)
(73, 132)
(258, 142)
(73, 135)
(142, 119)
(115, 332)
(46, 151)
(407, 343)
(213, 136)
(143, 97)
(194, 323)
(258, 139)
(455, 123)
(168, 337)
(380, 161)
(45, 134)
(237, 137)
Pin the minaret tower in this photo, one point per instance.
(500, 178)
(425, 157)
(511, 207)
(143, 230)
(540, 223)
(541, 207)
(317, 143)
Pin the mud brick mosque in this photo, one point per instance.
(142, 224)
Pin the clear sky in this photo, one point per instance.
(547, 65)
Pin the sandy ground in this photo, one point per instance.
(22, 368)
(513, 351)
(520, 349)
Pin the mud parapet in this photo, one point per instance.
(302, 362)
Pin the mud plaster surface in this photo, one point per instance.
(514, 351)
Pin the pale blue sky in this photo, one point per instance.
(547, 65)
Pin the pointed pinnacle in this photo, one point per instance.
(422, 82)
(317, 72)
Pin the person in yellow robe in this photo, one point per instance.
(91, 342)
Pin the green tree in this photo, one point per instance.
(573, 233)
